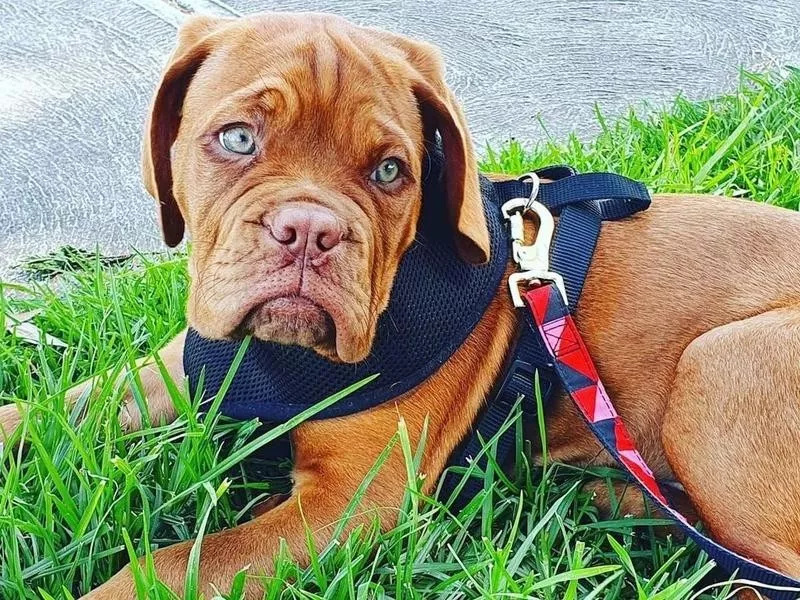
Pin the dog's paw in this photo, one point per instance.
(153, 389)
(157, 399)
(10, 418)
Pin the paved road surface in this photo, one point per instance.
(76, 76)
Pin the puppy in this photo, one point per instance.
(292, 147)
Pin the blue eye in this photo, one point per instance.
(238, 139)
(386, 172)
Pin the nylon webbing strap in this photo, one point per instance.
(549, 317)
(573, 246)
(616, 196)
(518, 381)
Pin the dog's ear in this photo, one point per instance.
(441, 112)
(195, 43)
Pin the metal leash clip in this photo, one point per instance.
(532, 259)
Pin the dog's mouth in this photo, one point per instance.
(291, 319)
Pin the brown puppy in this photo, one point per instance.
(269, 138)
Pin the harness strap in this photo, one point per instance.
(583, 202)
(616, 196)
(550, 319)
(517, 382)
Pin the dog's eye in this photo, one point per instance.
(386, 172)
(238, 139)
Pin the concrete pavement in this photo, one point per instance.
(76, 77)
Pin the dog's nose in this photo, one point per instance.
(306, 229)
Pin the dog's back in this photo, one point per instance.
(687, 265)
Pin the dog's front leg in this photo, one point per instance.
(332, 459)
(331, 463)
(155, 392)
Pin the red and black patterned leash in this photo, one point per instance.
(548, 314)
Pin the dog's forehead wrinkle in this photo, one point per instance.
(355, 144)
(321, 46)
(331, 51)
(293, 77)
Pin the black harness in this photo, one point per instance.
(436, 301)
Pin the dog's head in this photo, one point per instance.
(292, 148)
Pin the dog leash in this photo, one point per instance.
(548, 317)
(548, 314)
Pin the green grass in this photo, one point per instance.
(81, 496)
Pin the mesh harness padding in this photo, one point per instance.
(436, 301)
